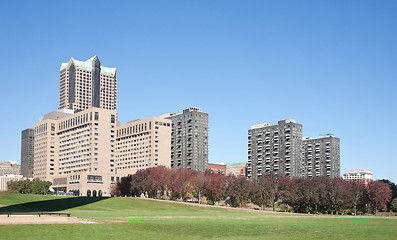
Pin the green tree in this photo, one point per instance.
(36, 186)
(394, 205)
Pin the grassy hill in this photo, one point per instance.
(129, 218)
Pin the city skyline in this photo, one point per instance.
(330, 66)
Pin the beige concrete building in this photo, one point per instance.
(46, 142)
(87, 84)
(10, 167)
(142, 144)
(76, 152)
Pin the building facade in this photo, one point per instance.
(46, 145)
(237, 169)
(10, 167)
(321, 156)
(83, 85)
(27, 152)
(275, 148)
(189, 139)
(217, 168)
(141, 144)
(362, 176)
(5, 179)
(76, 151)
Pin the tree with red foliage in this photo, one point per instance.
(265, 190)
(124, 186)
(307, 194)
(393, 188)
(138, 183)
(237, 190)
(199, 182)
(157, 181)
(114, 191)
(288, 191)
(181, 184)
(356, 191)
(336, 193)
(214, 186)
(379, 194)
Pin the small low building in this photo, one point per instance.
(10, 167)
(5, 179)
(364, 176)
(237, 169)
(217, 168)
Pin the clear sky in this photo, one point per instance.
(331, 65)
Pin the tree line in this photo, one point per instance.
(35, 186)
(310, 195)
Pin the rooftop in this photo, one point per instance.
(87, 65)
(261, 125)
(186, 110)
(363, 172)
(319, 136)
(240, 164)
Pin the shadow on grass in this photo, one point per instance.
(51, 205)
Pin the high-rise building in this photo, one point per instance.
(321, 156)
(27, 152)
(189, 139)
(76, 151)
(46, 141)
(141, 144)
(275, 148)
(87, 84)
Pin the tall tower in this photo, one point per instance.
(87, 84)
(275, 148)
(27, 152)
(321, 156)
(189, 139)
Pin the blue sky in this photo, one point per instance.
(331, 65)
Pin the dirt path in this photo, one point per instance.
(35, 219)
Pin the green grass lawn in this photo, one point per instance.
(128, 218)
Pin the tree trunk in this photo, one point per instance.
(355, 209)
